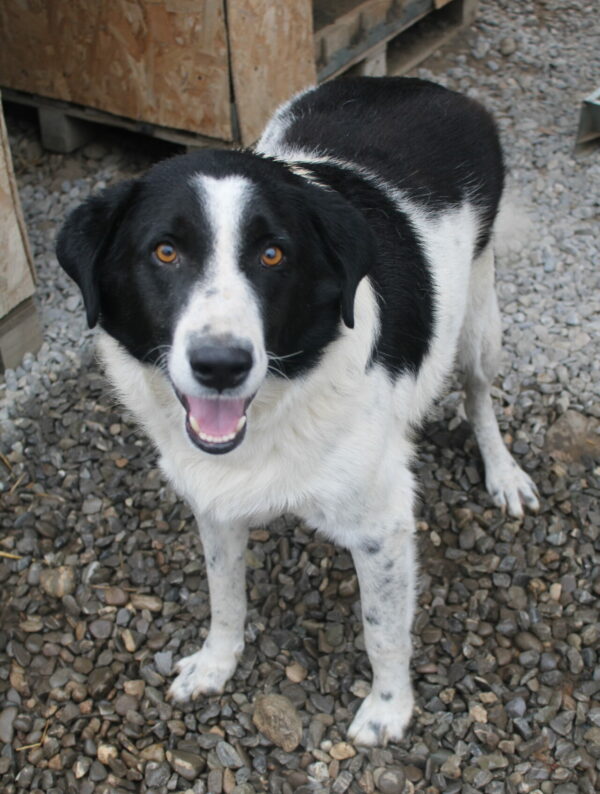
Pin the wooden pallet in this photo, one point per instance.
(370, 37)
(378, 37)
(19, 326)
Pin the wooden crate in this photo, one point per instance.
(173, 68)
(195, 71)
(19, 328)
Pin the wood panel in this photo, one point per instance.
(272, 47)
(160, 61)
(16, 272)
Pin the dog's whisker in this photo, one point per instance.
(273, 357)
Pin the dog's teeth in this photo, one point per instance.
(215, 439)
(195, 426)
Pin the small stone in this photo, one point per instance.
(97, 772)
(135, 688)
(528, 642)
(342, 782)
(451, 767)
(154, 752)
(295, 672)
(516, 707)
(115, 596)
(106, 753)
(129, 640)
(188, 765)
(156, 775)
(228, 755)
(163, 661)
(360, 688)
(149, 602)
(58, 582)
(101, 629)
(124, 703)
(276, 718)
(100, 682)
(81, 766)
(572, 436)
(334, 634)
(7, 718)
(91, 505)
(389, 781)
(478, 713)
(508, 46)
(341, 751)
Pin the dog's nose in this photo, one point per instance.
(218, 367)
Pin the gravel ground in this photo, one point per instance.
(107, 584)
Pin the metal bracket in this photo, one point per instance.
(589, 118)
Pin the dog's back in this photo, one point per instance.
(439, 147)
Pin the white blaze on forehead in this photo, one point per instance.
(223, 201)
(223, 302)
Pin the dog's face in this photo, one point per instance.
(219, 267)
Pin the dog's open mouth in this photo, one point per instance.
(215, 425)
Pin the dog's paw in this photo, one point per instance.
(382, 718)
(510, 488)
(202, 673)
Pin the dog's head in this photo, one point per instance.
(220, 267)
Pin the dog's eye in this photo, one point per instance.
(272, 256)
(165, 253)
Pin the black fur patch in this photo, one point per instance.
(434, 144)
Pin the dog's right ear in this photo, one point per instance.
(84, 238)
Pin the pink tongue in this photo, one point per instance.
(217, 417)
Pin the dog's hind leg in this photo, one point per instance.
(479, 358)
(207, 671)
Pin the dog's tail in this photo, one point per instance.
(513, 226)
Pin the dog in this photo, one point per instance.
(279, 321)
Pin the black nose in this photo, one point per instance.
(219, 367)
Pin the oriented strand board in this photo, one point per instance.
(272, 47)
(161, 61)
(16, 271)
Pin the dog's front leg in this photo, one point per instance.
(207, 671)
(386, 567)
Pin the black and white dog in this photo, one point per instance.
(280, 321)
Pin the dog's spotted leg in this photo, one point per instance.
(207, 671)
(479, 357)
(385, 564)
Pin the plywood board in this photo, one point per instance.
(164, 62)
(271, 47)
(16, 272)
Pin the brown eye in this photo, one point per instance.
(271, 256)
(165, 253)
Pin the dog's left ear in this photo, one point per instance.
(83, 241)
(348, 240)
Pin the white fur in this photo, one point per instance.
(332, 446)
(223, 303)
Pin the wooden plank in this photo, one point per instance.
(357, 32)
(20, 333)
(159, 61)
(429, 34)
(92, 116)
(271, 46)
(16, 269)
